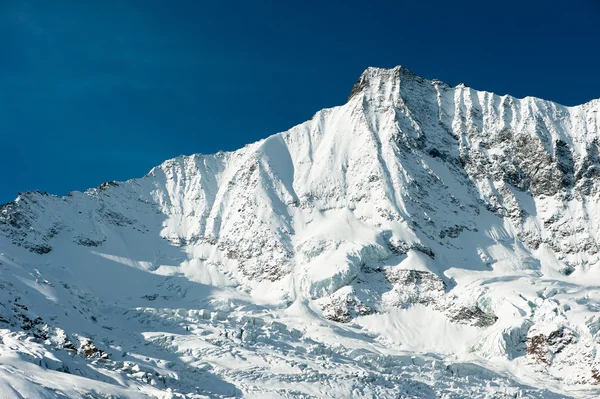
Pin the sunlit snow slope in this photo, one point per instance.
(419, 241)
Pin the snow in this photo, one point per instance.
(419, 241)
(420, 329)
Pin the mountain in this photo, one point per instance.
(419, 241)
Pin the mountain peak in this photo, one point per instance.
(375, 77)
(414, 219)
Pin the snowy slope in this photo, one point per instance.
(421, 240)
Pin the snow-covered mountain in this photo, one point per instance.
(421, 240)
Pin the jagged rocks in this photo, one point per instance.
(395, 245)
(115, 218)
(452, 232)
(565, 163)
(10, 215)
(89, 350)
(343, 306)
(543, 348)
(473, 315)
(358, 86)
(426, 250)
(88, 242)
(426, 280)
(410, 287)
(107, 185)
(38, 248)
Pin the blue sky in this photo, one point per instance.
(102, 90)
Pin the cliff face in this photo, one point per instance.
(481, 209)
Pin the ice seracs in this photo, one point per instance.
(416, 218)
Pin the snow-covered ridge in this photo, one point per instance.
(413, 201)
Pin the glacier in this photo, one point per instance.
(419, 241)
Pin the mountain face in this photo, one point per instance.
(421, 240)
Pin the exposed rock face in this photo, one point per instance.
(414, 286)
(544, 348)
(478, 207)
(474, 316)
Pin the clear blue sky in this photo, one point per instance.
(101, 90)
